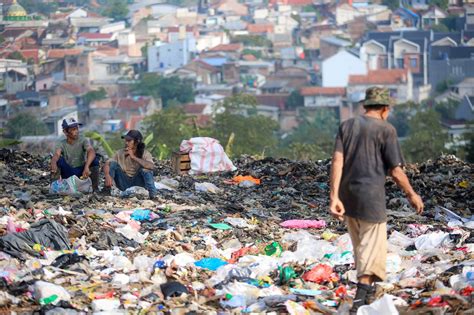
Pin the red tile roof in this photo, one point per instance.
(383, 76)
(207, 66)
(228, 47)
(131, 104)
(292, 2)
(61, 53)
(275, 100)
(30, 53)
(93, 36)
(175, 29)
(194, 109)
(318, 90)
(260, 28)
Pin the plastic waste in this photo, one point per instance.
(206, 187)
(141, 215)
(210, 263)
(49, 293)
(304, 224)
(173, 289)
(104, 305)
(432, 240)
(384, 306)
(71, 186)
(394, 263)
(120, 279)
(66, 260)
(132, 234)
(237, 222)
(234, 302)
(286, 274)
(273, 249)
(240, 178)
(320, 273)
(220, 226)
(294, 308)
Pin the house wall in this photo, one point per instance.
(322, 101)
(327, 50)
(400, 48)
(464, 111)
(345, 14)
(370, 52)
(169, 56)
(44, 84)
(77, 69)
(454, 69)
(336, 70)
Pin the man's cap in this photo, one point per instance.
(377, 96)
(70, 123)
(133, 135)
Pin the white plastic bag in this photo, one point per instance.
(207, 155)
(71, 186)
(49, 293)
(384, 306)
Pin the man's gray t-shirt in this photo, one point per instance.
(75, 153)
(370, 148)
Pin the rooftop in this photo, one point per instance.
(384, 76)
(318, 90)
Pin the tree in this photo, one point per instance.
(169, 127)
(95, 95)
(446, 109)
(253, 133)
(16, 55)
(400, 115)
(25, 124)
(116, 9)
(442, 4)
(440, 28)
(392, 4)
(426, 139)
(314, 137)
(294, 100)
(35, 6)
(166, 88)
(252, 40)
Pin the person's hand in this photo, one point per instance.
(416, 202)
(108, 181)
(54, 168)
(130, 153)
(86, 173)
(337, 209)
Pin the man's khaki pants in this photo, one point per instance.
(370, 247)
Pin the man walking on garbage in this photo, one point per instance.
(75, 155)
(131, 166)
(366, 150)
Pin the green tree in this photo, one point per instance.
(426, 139)
(252, 40)
(253, 133)
(400, 115)
(470, 147)
(16, 55)
(95, 95)
(116, 9)
(314, 137)
(25, 124)
(167, 88)
(442, 4)
(169, 127)
(294, 100)
(440, 28)
(35, 6)
(446, 109)
(392, 4)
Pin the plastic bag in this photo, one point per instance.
(206, 187)
(384, 306)
(71, 186)
(49, 293)
(432, 240)
(319, 274)
(207, 155)
(210, 263)
(304, 224)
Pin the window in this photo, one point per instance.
(414, 62)
(113, 69)
(400, 63)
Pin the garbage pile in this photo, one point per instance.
(258, 239)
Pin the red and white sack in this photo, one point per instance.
(207, 155)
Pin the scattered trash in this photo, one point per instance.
(224, 248)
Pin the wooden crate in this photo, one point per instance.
(181, 162)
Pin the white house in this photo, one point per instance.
(337, 69)
(174, 55)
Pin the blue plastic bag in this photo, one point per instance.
(141, 215)
(210, 263)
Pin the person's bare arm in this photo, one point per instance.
(144, 163)
(402, 181)
(90, 158)
(54, 160)
(335, 206)
(108, 178)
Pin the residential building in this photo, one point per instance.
(433, 16)
(331, 45)
(200, 72)
(163, 56)
(337, 69)
(398, 81)
(452, 63)
(346, 13)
